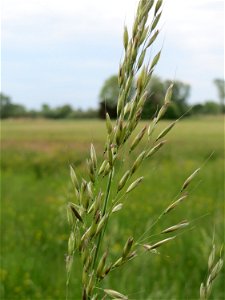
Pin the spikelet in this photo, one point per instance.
(138, 138)
(115, 295)
(75, 212)
(166, 130)
(175, 203)
(156, 20)
(74, 178)
(127, 247)
(93, 157)
(123, 181)
(138, 162)
(155, 60)
(189, 179)
(117, 207)
(101, 264)
(153, 38)
(125, 37)
(211, 258)
(108, 124)
(176, 227)
(158, 244)
(157, 6)
(134, 184)
(155, 149)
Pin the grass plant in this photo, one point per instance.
(96, 204)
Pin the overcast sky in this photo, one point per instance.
(59, 52)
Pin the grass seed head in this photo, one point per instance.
(153, 38)
(123, 180)
(169, 94)
(71, 243)
(115, 295)
(138, 138)
(158, 244)
(155, 149)
(108, 124)
(165, 131)
(117, 207)
(176, 227)
(211, 258)
(93, 156)
(155, 60)
(127, 247)
(175, 203)
(158, 5)
(75, 212)
(202, 292)
(189, 179)
(74, 178)
(134, 184)
(125, 37)
(138, 162)
(156, 20)
(102, 167)
(101, 264)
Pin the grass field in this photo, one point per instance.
(35, 187)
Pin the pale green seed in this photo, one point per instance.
(176, 227)
(153, 38)
(93, 157)
(71, 243)
(125, 37)
(74, 178)
(158, 244)
(127, 247)
(155, 149)
(189, 179)
(211, 258)
(155, 22)
(114, 294)
(138, 138)
(134, 184)
(174, 204)
(123, 180)
(138, 162)
(157, 6)
(165, 131)
(169, 94)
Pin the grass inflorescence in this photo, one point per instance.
(95, 204)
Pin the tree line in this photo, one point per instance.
(108, 101)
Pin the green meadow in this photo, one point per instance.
(35, 188)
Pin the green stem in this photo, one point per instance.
(103, 213)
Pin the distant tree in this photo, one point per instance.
(63, 112)
(46, 111)
(197, 109)
(5, 106)
(9, 109)
(157, 90)
(211, 108)
(17, 111)
(220, 84)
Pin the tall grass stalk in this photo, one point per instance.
(95, 204)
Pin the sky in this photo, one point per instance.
(60, 52)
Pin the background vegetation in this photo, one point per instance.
(36, 187)
(108, 96)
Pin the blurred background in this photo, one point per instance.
(59, 75)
